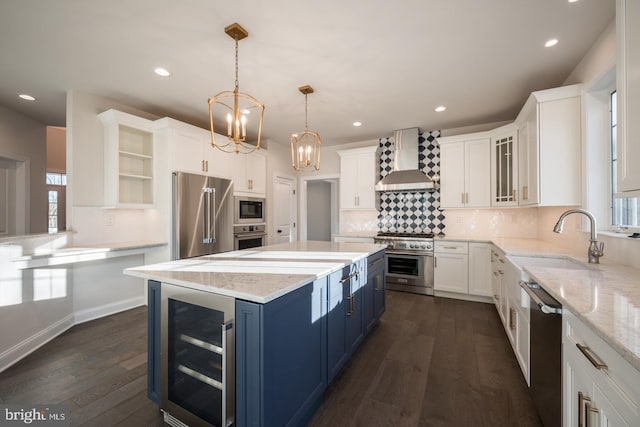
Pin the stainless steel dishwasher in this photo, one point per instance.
(545, 357)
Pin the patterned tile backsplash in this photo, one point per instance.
(417, 211)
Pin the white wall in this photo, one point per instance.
(35, 305)
(100, 288)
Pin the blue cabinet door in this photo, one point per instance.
(154, 386)
(281, 360)
(369, 297)
(338, 304)
(379, 287)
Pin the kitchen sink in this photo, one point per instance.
(549, 262)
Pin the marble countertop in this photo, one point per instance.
(605, 296)
(259, 274)
(74, 254)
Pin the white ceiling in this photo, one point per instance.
(385, 63)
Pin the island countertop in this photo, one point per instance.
(258, 274)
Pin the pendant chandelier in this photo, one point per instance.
(305, 146)
(240, 110)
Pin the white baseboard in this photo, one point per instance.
(108, 309)
(465, 297)
(26, 347)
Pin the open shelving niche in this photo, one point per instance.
(129, 160)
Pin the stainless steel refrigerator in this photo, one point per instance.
(202, 215)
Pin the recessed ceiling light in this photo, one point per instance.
(551, 42)
(440, 108)
(26, 97)
(357, 124)
(573, 1)
(163, 72)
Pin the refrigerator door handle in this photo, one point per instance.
(206, 230)
(212, 217)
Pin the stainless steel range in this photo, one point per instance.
(409, 258)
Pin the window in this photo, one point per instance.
(55, 184)
(625, 211)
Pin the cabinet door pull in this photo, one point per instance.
(462, 198)
(515, 195)
(202, 166)
(206, 165)
(586, 351)
(349, 277)
(589, 410)
(512, 319)
(581, 400)
(466, 198)
(525, 192)
(350, 308)
(378, 287)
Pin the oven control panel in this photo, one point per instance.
(422, 246)
(407, 245)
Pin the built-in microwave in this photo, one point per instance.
(249, 210)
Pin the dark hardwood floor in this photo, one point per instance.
(430, 362)
(98, 369)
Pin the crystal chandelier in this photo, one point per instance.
(305, 146)
(240, 109)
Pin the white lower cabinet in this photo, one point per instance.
(517, 314)
(600, 388)
(480, 269)
(451, 271)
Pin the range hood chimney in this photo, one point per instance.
(405, 175)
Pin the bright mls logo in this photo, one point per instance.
(37, 415)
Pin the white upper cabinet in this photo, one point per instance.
(504, 166)
(549, 148)
(465, 171)
(188, 149)
(249, 174)
(129, 164)
(358, 176)
(628, 92)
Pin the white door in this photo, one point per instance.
(284, 227)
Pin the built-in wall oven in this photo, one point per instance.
(409, 260)
(249, 236)
(249, 210)
(197, 357)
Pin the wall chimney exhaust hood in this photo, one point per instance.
(405, 175)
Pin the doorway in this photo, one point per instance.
(14, 195)
(319, 207)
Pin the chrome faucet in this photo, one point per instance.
(595, 250)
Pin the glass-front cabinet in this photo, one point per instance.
(197, 356)
(504, 166)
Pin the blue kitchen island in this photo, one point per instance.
(254, 337)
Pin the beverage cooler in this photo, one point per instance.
(197, 357)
